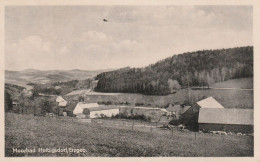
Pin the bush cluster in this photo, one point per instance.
(133, 117)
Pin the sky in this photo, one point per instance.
(76, 37)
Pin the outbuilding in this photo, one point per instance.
(60, 99)
(81, 106)
(100, 112)
(228, 120)
(63, 104)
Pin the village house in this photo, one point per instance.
(68, 110)
(93, 110)
(61, 101)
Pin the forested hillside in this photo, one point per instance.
(200, 68)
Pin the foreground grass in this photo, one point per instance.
(24, 131)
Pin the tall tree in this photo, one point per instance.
(8, 102)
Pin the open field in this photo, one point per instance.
(241, 83)
(228, 98)
(19, 83)
(24, 131)
(89, 92)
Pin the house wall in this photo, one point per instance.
(155, 114)
(190, 117)
(108, 113)
(248, 129)
(77, 110)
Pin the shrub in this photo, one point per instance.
(139, 104)
(175, 122)
(8, 102)
(105, 103)
(133, 117)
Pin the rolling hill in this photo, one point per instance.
(199, 68)
(22, 78)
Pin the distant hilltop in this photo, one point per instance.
(39, 76)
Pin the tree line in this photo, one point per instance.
(200, 68)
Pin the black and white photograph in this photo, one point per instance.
(129, 81)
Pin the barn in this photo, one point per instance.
(228, 120)
(190, 116)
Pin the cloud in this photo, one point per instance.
(30, 51)
(32, 43)
(63, 50)
(34, 52)
(95, 37)
(133, 36)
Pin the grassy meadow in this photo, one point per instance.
(27, 131)
(229, 98)
(243, 83)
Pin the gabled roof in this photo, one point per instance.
(102, 108)
(185, 109)
(76, 97)
(178, 109)
(209, 102)
(60, 99)
(226, 116)
(64, 103)
(87, 105)
(175, 108)
(144, 108)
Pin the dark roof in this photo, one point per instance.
(226, 116)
